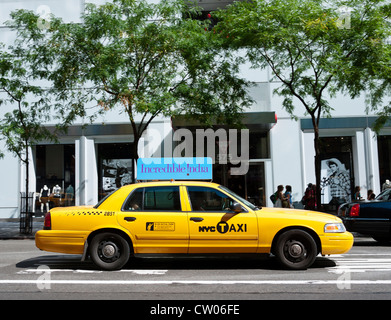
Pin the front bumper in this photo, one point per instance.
(336, 243)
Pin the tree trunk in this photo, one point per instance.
(317, 166)
(27, 217)
(135, 157)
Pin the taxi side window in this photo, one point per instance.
(134, 201)
(208, 199)
(162, 198)
(154, 199)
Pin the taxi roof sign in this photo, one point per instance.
(186, 168)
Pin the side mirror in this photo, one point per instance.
(236, 207)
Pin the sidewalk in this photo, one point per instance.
(9, 229)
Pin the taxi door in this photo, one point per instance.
(215, 228)
(154, 216)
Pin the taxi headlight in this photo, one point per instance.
(334, 228)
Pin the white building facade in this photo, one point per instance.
(92, 161)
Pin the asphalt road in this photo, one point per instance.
(28, 273)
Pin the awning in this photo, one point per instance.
(96, 130)
(211, 5)
(254, 121)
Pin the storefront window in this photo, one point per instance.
(259, 145)
(250, 186)
(115, 163)
(55, 176)
(337, 175)
(384, 147)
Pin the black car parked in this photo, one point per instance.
(371, 218)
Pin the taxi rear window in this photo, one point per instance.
(164, 198)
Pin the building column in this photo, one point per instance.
(360, 163)
(372, 157)
(269, 183)
(86, 175)
(10, 173)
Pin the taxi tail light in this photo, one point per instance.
(355, 210)
(47, 225)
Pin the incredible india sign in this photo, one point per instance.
(198, 168)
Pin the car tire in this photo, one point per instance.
(296, 249)
(109, 251)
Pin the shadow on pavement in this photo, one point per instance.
(170, 263)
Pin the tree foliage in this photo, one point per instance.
(315, 49)
(22, 126)
(27, 107)
(140, 58)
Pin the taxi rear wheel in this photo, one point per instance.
(296, 249)
(109, 251)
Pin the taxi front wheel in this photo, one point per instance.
(109, 251)
(296, 249)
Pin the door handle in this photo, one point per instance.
(196, 219)
(130, 219)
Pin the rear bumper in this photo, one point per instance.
(61, 241)
(336, 243)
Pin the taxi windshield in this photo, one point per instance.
(246, 202)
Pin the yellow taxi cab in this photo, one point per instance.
(189, 217)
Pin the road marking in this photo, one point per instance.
(352, 264)
(199, 282)
(48, 270)
(147, 272)
(358, 254)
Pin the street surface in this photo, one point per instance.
(28, 273)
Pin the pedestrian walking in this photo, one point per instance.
(279, 196)
(287, 202)
(370, 195)
(310, 196)
(357, 194)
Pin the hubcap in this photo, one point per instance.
(295, 251)
(108, 251)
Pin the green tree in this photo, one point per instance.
(27, 100)
(142, 58)
(21, 127)
(315, 49)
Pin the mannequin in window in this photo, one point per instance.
(386, 185)
(69, 193)
(57, 191)
(44, 197)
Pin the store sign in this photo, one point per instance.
(174, 168)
